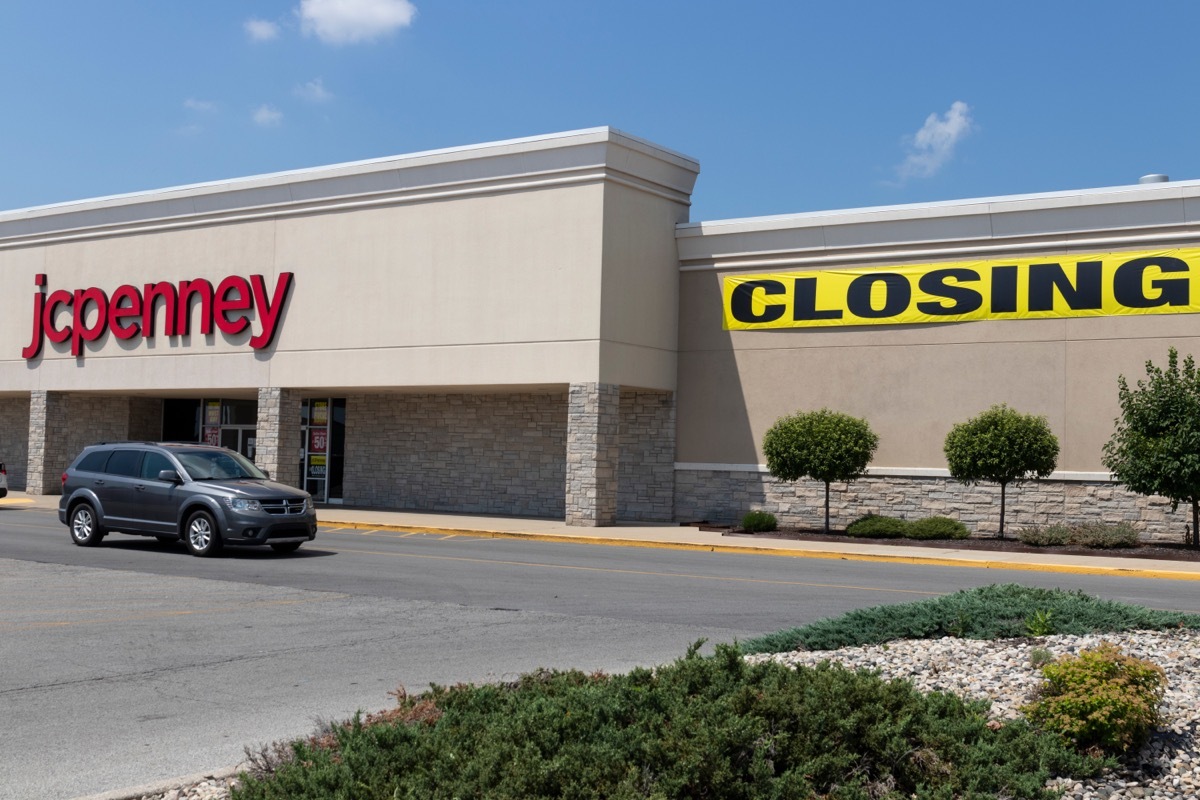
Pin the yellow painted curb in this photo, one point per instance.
(1072, 569)
(15, 501)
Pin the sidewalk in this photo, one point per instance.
(680, 537)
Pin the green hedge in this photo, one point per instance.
(701, 727)
(877, 527)
(936, 528)
(759, 522)
(1096, 535)
(989, 612)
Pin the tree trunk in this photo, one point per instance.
(1195, 543)
(827, 506)
(1003, 486)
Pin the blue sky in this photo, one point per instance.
(788, 106)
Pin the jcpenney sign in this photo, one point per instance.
(85, 315)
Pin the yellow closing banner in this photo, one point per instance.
(1036, 287)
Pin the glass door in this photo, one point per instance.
(240, 438)
(322, 445)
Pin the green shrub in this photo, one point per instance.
(1104, 537)
(936, 528)
(759, 522)
(1049, 536)
(824, 445)
(1040, 623)
(1102, 698)
(700, 727)
(878, 527)
(989, 612)
(1040, 657)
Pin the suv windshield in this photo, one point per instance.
(212, 465)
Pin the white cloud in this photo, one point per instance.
(192, 104)
(261, 30)
(351, 21)
(930, 148)
(266, 116)
(314, 91)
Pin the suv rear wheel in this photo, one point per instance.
(85, 529)
(201, 535)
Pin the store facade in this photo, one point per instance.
(535, 328)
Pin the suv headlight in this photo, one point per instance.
(242, 504)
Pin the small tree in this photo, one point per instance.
(1155, 448)
(1002, 446)
(823, 445)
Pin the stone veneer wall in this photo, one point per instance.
(145, 419)
(57, 426)
(95, 418)
(593, 453)
(277, 434)
(14, 440)
(646, 474)
(467, 453)
(722, 497)
(49, 429)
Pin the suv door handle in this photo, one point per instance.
(141, 487)
(97, 482)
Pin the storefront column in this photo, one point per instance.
(48, 428)
(593, 453)
(277, 437)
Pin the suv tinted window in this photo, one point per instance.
(153, 464)
(93, 462)
(209, 465)
(124, 462)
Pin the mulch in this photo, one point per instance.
(1165, 551)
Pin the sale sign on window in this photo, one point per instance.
(318, 439)
(212, 436)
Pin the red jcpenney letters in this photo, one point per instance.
(130, 312)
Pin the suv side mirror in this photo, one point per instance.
(169, 475)
(264, 472)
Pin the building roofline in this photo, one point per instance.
(1171, 190)
(383, 163)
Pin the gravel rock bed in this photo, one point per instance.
(1001, 671)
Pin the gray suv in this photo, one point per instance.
(206, 496)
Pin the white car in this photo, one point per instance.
(3, 480)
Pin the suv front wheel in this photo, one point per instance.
(85, 529)
(201, 535)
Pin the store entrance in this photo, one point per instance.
(323, 447)
(224, 423)
(240, 438)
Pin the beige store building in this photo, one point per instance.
(534, 327)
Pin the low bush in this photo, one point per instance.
(1102, 698)
(989, 612)
(759, 522)
(1049, 536)
(700, 727)
(936, 528)
(1101, 536)
(877, 527)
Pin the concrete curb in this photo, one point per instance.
(162, 787)
(15, 501)
(1072, 569)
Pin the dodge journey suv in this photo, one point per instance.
(207, 496)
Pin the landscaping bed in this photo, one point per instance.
(1167, 551)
